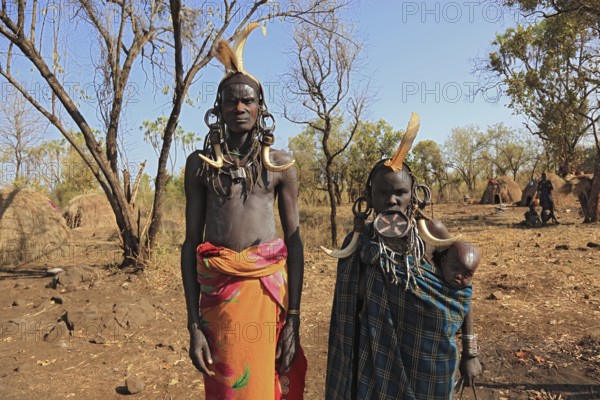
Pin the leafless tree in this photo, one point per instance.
(325, 62)
(21, 128)
(167, 40)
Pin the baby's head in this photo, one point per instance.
(459, 264)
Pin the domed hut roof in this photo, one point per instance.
(561, 195)
(91, 210)
(501, 190)
(528, 193)
(31, 228)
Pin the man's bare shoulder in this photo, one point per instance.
(193, 157)
(194, 164)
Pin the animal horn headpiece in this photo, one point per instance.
(405, 144)
(233, 61)
(233, 58)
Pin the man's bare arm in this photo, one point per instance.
(195, 214)
(194, 232)
(290, 222)
(287, 194)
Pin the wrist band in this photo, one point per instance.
(470, 348)
(293, 312)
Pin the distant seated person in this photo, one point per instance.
(532, 218)
(458, 263)
(544, 192)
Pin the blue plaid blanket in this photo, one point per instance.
(403, 345)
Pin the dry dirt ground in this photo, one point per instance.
(536, 303)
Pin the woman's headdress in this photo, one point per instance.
(396, 164)
(405, 144)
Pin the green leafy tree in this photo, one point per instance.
(463, 151)
(154, 134)
(307, 146)
(44, 164)
(535, 66)
(586, 11)
(372, 142)
(304, 150)
(509, 151)
(586, 158)
(428, 165)
(74, 176)
(549, 70)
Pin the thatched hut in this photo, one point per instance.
(91, 210)
(529, 193)
(581, 186)
(562, 196)
(31, 228)
(502, 190)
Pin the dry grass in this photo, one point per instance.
(31, 227)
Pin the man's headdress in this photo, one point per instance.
(233, 61)
(396, 163)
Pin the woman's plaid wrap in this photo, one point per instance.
(403, 346)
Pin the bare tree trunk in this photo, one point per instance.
(18, 163)
(338, 193)
(332, 203)
(471, 185)
(594, 200)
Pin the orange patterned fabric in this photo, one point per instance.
(243, 304)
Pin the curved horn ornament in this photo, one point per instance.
(267, 141)
(269, 165)
(346, 251)
(432, 240)
(218, 154)
(240, 42)
(360, 215)
(406, 143)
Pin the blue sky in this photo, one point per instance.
(418, 57)
(421, 56)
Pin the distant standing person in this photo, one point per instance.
(544, 191)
